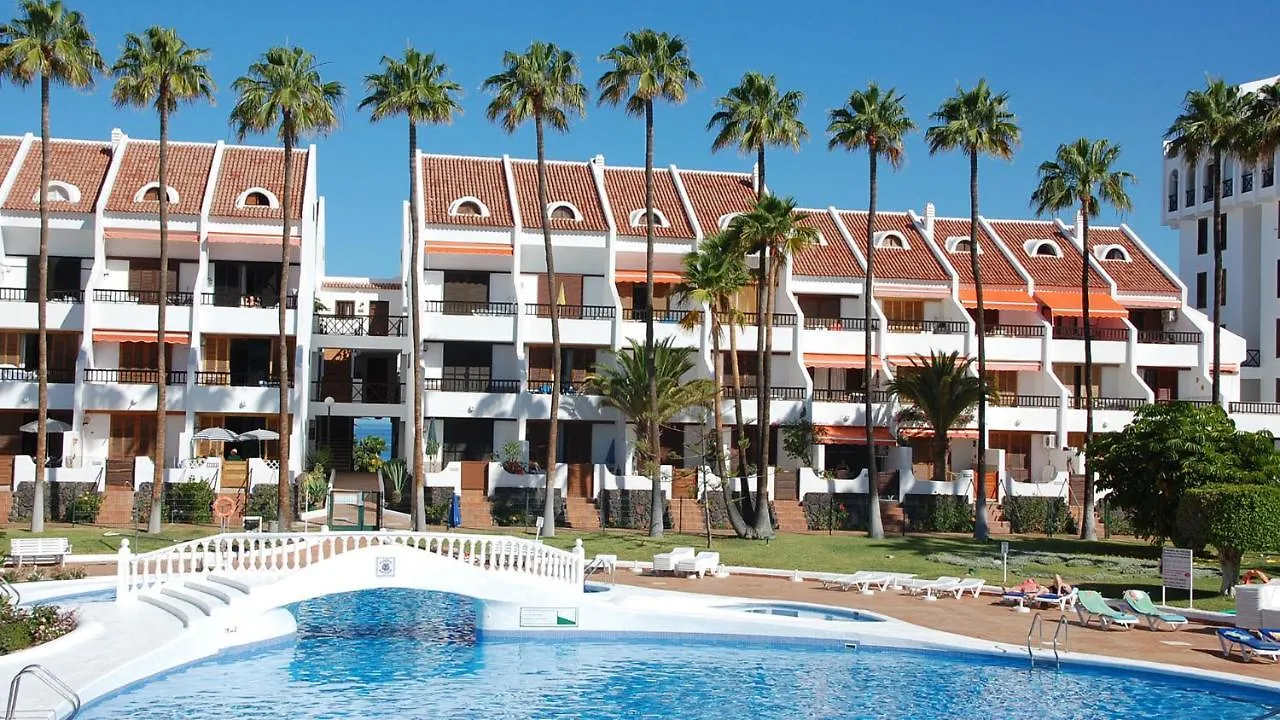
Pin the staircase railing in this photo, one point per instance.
(53, 682)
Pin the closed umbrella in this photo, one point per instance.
(431, 432)
(611, 459)
(50, 425)
(455, 512)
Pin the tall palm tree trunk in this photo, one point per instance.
(875, 527)
(1217, 276)
(415, 325)
(42, 310)
(722, 467)
(1087, 529)
(549, 504)
(980, 530)
(940, 441)
(764, 337)
(656, 505)
(283, 486)
(747, 506)
(162, 366)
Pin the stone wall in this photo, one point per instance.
(519, 507)
(62, 502)
(629, 509)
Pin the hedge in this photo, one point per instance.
(938, 513)
(1038, 515)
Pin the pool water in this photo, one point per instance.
(804, 612)
(409, 655)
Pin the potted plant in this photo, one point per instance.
(511, 458)
(395, 473)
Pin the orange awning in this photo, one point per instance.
(170, 338)
(952, 434)
(1067, 302)
(248, 239)
(129, 234)
(462, 248)
(998, 299)
(851, 435)
(660, 277)
(1012, 366)
(856, 362)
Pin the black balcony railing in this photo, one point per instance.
(56, 375)
(475, 385)
(1173, 201)
(567, 387)
(937, 327)
(468, 307)
(1015, 331)
(1028, 401)
(238, 379)
(133, 376)
(241, 300)
(1110, 403)
(362, 325)
(357, 391)
(1268, 177)
(849, 396)
(1190, 197)
(1206, 192)
(142, 297)
(1193, 403)
(1095, 333)
(775, 393)
(1262, 408)
(1228, 187)
(572, 312)
(1252, 358)
(853, 324)
(1169, 337)
(1246, 182)
(662, 316)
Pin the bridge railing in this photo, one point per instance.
(283, 553)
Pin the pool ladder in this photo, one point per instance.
(9, 592)
(1060, 634)
(53, 682)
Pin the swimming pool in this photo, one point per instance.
(402, 654)
(804, 612)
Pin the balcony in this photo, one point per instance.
(571, 312)
(775, 393)
(1095, 333)
(1109, 403)
(15, 294)
(1014, 331)
(10, 374)
(934, 327)
(753, 319)
(659, 316)
(253, 378)
(1169, 337)
(1260, 408)
(472, 385)
(467, 307)
(567, 387)
(849, 396)
(1268, 177)
(133, 376)
(362, 326)
(1228, 187)
(1192, 403)
(839, 324)
(1190, 197)
(1246, 182)
(1206, 193)
(1173, 201)
(235, 299)
(1252, 359)
(142, 297)
(1027, 401)
(357, 391)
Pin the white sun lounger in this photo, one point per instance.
(666, 562)
(704, 563)
(930, 588)
(971, 585)
(865, 580)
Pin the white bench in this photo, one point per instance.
(39, 550)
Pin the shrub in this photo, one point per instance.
(518, 507)
(938, 513)
(316, 485)
(84, 508)
(1038, 515)
(190, 502)
(21, 628)
(843, 511)
(1235, 519)
(262, 502)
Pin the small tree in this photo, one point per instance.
(798, 438)
(1235, 519)
(368, 453)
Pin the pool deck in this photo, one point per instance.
(1195, 646)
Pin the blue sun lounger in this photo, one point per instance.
(1248, 644)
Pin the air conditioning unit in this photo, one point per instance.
(1169, 316)
(1050, 441)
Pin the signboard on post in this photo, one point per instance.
(1175, 572)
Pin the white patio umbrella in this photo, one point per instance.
(216, 434)
(260, 434)
(50, 425)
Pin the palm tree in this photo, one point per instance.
(771, 227)
(1082, 175)
(976, 122)
(875, 120)
(50, 43)
(1214, 121)
(625, 386)
(939, 391)
(415, 87)
(283, 91)
(541, 85)
(657, 64)
(751, 117)
(713, 275)
(159, 68)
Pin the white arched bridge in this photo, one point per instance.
(235, 579)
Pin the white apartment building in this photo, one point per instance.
(1251, 256)
(223, 279)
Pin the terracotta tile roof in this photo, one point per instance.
(1046, 270)
(248, 167)
(993, 264)
(569, 182)
(916, 262)
(625, 188)
(189, 167)
(82, 164)
(446, 179)
(361, 285)
(834, 259)
(1140, 275)
(8, 151)
(716, 194)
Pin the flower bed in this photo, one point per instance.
(21, 628)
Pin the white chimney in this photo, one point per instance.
(598, 160)
(929, 213)
(116, 136)
(755, 177)
(1078, 230)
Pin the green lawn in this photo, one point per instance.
(1111, 567)
(87, 539)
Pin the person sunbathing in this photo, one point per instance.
(1059, 586)
(1029, 588)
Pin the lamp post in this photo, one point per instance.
(328, 421)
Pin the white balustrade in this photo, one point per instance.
(283, 553)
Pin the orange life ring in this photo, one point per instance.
(1252, 575)
(223, 507)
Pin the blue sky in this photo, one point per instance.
(1100, 69)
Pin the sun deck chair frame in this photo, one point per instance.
(1105, 620)
(1154, 616)
(701, 564)
(928, 588)
(1248, 651)
(1064, 601)
(666, 562)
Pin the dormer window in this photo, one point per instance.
(638, 220)
(1042, 248)
(57, 192)
(151, 193)
(564, 211)
(822, 239)
(1111, 252)
(891, 240)
(468, 207)
(257, 197)
(726, 219)
(961, 245)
